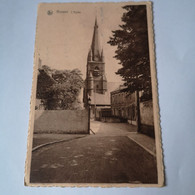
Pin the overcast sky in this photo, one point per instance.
(63, 38)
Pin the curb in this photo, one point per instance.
(54, 142)
(145, 148)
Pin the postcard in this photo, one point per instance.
(94, 118)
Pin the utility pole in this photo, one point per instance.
(137, 104)
(95, 103)
(89, 110)
(138, 111)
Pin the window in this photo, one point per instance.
(96, 71)
(97, 68)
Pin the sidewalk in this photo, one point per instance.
(124, 129)
(144, 141)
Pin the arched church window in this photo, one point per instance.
(96, 71)
(97, 68)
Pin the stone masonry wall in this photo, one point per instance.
(146, 113)
(61, 121)
(147, 121)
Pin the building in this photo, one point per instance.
(123, 104)
(97, 89)
(96, 81)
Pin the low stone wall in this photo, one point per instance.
(61, 121)
(131, 122)
(148, 130)
(146, 116)
(146, 113)
(110, 119)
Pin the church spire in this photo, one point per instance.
(89, 58)
(96, 81)
(95, 46)
(96, 21)
(102, 55)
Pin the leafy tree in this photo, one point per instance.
(44, 82)
(133, 53)
(59, 89)
(133, 50)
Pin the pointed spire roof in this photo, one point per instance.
(90, 75)
(104, 77)
(96, 21)
(95, 46)
(89, 55)
(102, 55)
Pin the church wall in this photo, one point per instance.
(100, 65)
(104, 85)
(97, 86)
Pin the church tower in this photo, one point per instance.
(96, 81)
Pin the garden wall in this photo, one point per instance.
(61, 121)
(146, 116)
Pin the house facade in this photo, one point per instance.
(123, 104)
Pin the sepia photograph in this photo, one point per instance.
(94, 118)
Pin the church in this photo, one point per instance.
(97, 89)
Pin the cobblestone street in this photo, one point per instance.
(109, 156)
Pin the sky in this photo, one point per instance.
(64, 37)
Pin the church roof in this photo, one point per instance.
(104, 99)
(95, 46)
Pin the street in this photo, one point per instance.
(108, 156)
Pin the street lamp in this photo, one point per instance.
(89, 101)
(89, 110)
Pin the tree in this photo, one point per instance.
(133, 53)
(133, 50)
(59, 89)
(44, 82)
